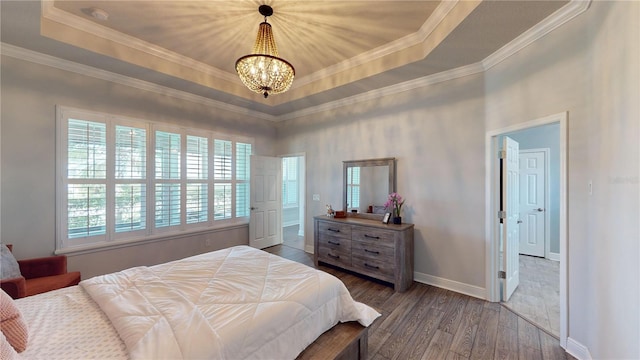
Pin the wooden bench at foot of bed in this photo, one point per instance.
(345, 341)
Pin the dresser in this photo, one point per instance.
(368, 247)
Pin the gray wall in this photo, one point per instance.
(30, 93)
(547, 136)
(588, 67)
(437, 136)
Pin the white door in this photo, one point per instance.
(532, 202)
(510, 207)
(265, 225)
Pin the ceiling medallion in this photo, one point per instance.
(263, 71)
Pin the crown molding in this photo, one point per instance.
(555, 20)
(407, 41)
(389, 90)
(66, 65)
(550, 23)
(50, 12)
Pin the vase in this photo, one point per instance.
(397, 220)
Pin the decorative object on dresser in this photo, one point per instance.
(395, 202)
(367, 247)
(340, 214)
(385, 218)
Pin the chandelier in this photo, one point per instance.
(263, 71)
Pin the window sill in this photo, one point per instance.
(79, 250)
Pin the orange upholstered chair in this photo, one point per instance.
(40, 275)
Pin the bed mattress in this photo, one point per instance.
(66, 324)
(235, 303)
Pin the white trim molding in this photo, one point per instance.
(462, 288)
(577, 350)
(491, 207)
(66, 65)
(552, 22)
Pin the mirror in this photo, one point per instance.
(367, 184)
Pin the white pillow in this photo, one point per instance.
(9, 268)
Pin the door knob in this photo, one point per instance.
(254, 208)
(540, 209)
(519, 221)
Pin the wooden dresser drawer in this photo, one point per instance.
(374, 236)
(383, 270)
(372, 250)
(335, 243)
(334, 229)
(334, 256)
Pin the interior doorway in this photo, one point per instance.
(293, 200)
(494, 283)
(537, 296)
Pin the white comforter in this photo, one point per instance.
(234, 303)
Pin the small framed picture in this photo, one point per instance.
(385, 219)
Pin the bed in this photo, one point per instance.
(235, 303)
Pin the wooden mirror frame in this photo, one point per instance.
(390, 162)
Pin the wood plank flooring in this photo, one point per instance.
(427, 322)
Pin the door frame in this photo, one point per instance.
(492, 192)
(303, 196)
(547, 200)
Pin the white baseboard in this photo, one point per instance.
(553, 256)
(290, 223)
(471, 290)
(308, 248)
(577, 350)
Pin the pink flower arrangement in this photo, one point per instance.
(394, 202)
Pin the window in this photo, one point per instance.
(353, 187)
(289, 182)
(107, 195)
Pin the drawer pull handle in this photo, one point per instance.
(372, 251)
(333, 242)
(372, 266)
(371, 236)
(333, 230)
(334, 256)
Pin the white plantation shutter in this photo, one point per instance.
(86, 178)
(221, 201)
(167, 179)
(167, 156)
(87, 150)
(130, 207)
(197, 158)
(197, 206)
(131, 153)
(243, 156)
(130, 179)
(167, 201)
(222, 157)
(86, 210)
(222, 174)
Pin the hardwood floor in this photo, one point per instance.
(427, 322)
